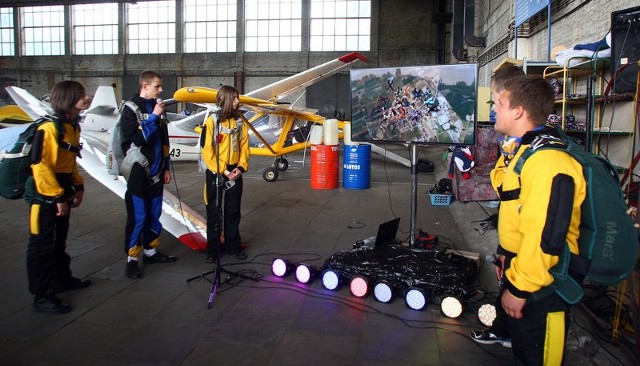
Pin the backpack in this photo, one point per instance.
(115, 154)
(15, 164)
(608, 241)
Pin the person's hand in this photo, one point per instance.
(76, 200)
(235, 174)
(512, 305)
(167, 177)
(158, 109)
(63, 209)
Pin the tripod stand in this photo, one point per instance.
(215, 181)
(218, 270)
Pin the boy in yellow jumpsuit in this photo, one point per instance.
(539, 212)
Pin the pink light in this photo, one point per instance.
(359, 286)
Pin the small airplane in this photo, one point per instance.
(178, 219)
(277, 129)
(103, 113)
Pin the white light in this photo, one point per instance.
(416, 299)
(330, 280)
(303, 273)
(487, 314)
(451, 307)
(383, 292)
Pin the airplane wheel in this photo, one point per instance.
(270, 174)
(281, 164)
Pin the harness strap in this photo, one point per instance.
(61, 143)
(510, 195)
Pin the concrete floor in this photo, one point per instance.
(163, 318)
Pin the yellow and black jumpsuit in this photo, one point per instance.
(55, 180)
(145, 186)
(229, 149)
(533, 227)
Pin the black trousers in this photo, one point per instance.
(47, 261)
(500, 325)
(229, 200)
(539, 337)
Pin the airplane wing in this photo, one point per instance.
(276, 129)
(282, 88)
(32, 106)
(188, 123)
(177, 218)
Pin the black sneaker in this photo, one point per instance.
(486, 337)
(133, 270)
(238, 254)
(158, 258)
(50, 304)
(71, 284)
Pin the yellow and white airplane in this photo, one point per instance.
(276, 130)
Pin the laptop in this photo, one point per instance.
(387, 233)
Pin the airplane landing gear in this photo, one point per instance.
(270, 174)
(281, 163)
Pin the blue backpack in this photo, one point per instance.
(608, 242)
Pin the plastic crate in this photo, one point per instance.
(440, 199)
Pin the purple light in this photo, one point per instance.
(303, 273)
(280, 267)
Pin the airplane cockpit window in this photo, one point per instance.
(269, 126)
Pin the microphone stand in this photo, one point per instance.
(219, 269)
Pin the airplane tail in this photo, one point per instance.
(104, 101)
(103, 111)
(282, 88)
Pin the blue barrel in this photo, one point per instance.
(356, 166)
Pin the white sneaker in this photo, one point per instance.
(486, 337)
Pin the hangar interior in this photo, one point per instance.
(160, 319)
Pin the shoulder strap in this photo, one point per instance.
(134, 107)
(60, 128)
(540, 142)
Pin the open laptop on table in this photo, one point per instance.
(386, 235)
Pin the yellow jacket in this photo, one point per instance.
(525, 223)
(52, 160)
(232, 146)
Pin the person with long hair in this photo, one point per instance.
(54, 189)
(225, 152)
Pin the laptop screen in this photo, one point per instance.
(387, 232)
